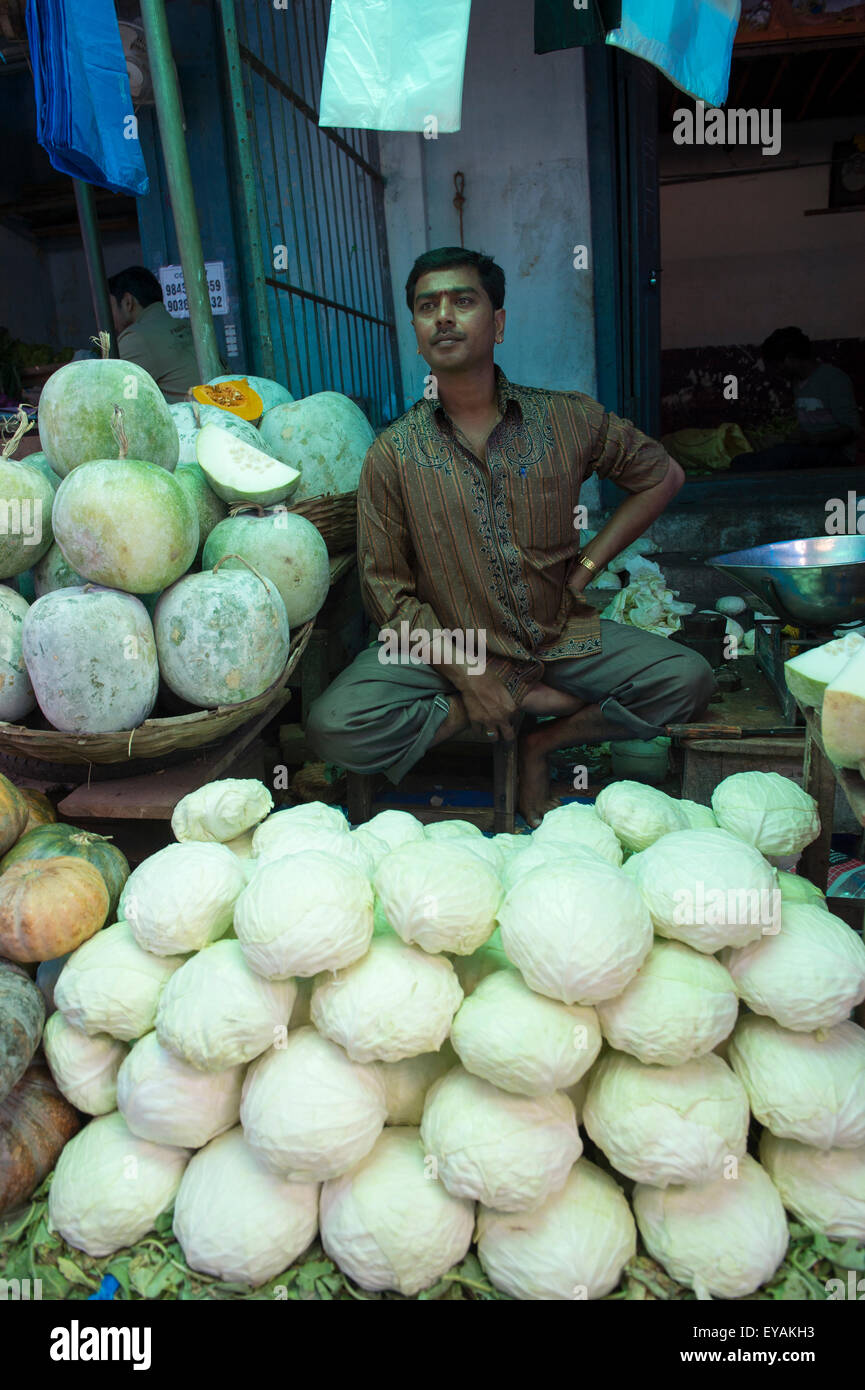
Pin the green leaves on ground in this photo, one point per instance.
(154, 1269)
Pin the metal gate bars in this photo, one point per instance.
(318, 284)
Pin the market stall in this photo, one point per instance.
(406, 1061)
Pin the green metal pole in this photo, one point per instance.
(263, 355)
(89, 224)
(170, 116)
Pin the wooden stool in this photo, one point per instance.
(360, 786)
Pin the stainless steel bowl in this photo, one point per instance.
(818, 582)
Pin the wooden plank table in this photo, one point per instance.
(742, 730)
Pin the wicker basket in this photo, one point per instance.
(335, 517)
(155, 737)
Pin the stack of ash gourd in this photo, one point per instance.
(144, 531)
(396, 1037)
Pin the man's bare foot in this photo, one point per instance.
(534, 796)
(545, 699)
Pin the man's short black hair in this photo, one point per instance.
(136, 280)
(491, 276)
(786, 342)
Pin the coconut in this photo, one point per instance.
(91, 657)
(283, 547)
(222, 636)
(326, 436)
(126, 523)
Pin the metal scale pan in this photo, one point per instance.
(817, 583)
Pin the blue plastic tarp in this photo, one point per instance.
(690, 40)
(84, 115)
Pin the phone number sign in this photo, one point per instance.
(174, 288)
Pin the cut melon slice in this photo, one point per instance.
(238, 472)
(843, 717)
(808, 674)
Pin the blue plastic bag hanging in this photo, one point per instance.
(84, 115)
(690, 40)
(395, 65)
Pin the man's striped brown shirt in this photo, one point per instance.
(450, 541)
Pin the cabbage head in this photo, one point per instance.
(110, 985)
(767, 811)
(679, 1005)
(506, 1151)
(109, 1186)
(394, 827)
(218, 1013)
(573, 1246)
(221, 810)
(795, 888)
(822, 1188)
(580, 825)
(638, 814)
(807, 977)
(578, 933)
(663, 1125)
(522, 1042)
(84, 1067)
(707, 889)
(310, 1113)
(387, 1225)
(804, 1086)
(238, 1221)
(182, 897)
(723, 1238)
(167, 1101)
(396, 1002)
(438, 895)
(302, 914)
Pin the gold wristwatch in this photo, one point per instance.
(589, 564)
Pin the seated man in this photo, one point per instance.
(466, 509)
(149, 336)
(829, 424)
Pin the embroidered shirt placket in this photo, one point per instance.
(487, 489)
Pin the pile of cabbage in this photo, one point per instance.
(399, 1038)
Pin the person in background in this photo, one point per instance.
(147, 334)
(829, 424)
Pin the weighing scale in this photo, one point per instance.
(816, 585)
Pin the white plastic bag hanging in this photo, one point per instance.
(395, 65)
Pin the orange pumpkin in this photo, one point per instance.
(49, 906)
(13, 813)
(41, 810)
(237, 397)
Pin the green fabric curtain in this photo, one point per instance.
(559, 25)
